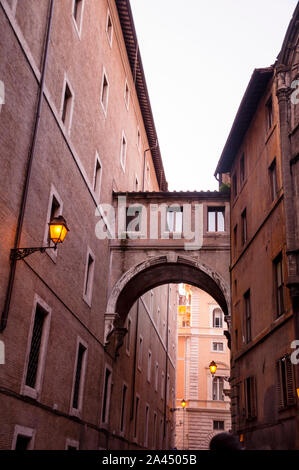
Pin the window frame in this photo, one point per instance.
(89, 277)
(35, 392)
(106, 396)
(67, 123)
(216, 210)
(273, 180)
(244, 227)
(247, 316)
(279, 288)
(123, 151)
(46, 240)
(25, 432)
(104, 96)
(78, 25)
(107, 27)
(77, 411)
(97, 185)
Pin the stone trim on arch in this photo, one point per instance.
(112, 316)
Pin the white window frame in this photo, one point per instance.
(87, 297)
(104, 105)
(78, 27)
(217, 350)
(53, 193)
(109, 37)
(123, 151)
(71, 443)
(67, 126)
(108, 397)
(127, 94)
(25, 389)
(136, 418)
(97, 190)
(77, 411)
(162, 384)
(26, 432)
(156, 376)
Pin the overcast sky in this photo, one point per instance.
(198, 57)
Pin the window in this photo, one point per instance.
(155, 431)
(140, 353)
(88, 278)
(123, 408)
(247, 315)
(217, 318)
(279, 285)
(136, 184)
(217, 347)
(234, 186)
(215, 219)
(109, 29)
(23, 438)
(78, 6)
(218, 425)
(55, 207)
(79, 378)
(156, 376)
(36, 355)
(242, 169)
(136, 417)
(71, 444)
(104, 92)
(127, 94)
(128, 342)
(67, 106)
(174, 219)
(235, 240)
(218, 389)
(134, 215)
(123, 151)
(138, 139)
(285, 383)
(146, 426)
(97, 176)
(269, 114)
(250, 398)
(244, 226)
(149, 366)
(106, 395)
(162, 384)
(273, 180)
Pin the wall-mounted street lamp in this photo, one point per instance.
(183, 405)
(57, 233)
(213, 367)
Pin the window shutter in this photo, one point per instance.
(279, 386)
(290, 383)
(253, 397)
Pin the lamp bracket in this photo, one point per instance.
(21, 253)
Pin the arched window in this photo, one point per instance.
(217, 318)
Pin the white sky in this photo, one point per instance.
(198, 57)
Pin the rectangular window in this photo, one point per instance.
(218, 425)
(55, 207)
(97, 180)
(273, 180)
(234, 186)
(104, 93)
(106, 395)
(67, 106)
(123, 151)
(269, 114)
(217, 318)
(242, 169)
(285, 383)
(78, 6)
(109, 28)
(123, 408)
(136, 417)
(79, 377)
(156, 376)
(136, 184)
(250, 398)
(235, 241)
(174, 219)
(247, 315)
(279, 285)
(128, 342)
(244, 226)
(134, 216)
(149, 366)
(140, 353)
(23, 438)
(138, 139)
(37, 346)
(146, 426)
(162, 384)
(127, 94)
(88, 278)
(218, 389)
(216, 219)
(217, 346)
(71, 444)
(155, 431)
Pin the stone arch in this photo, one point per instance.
(154, 272)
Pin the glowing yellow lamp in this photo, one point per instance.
(213, 367)
(183, 403)
(58, 229)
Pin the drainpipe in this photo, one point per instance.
(166, 368)
(11, 279)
